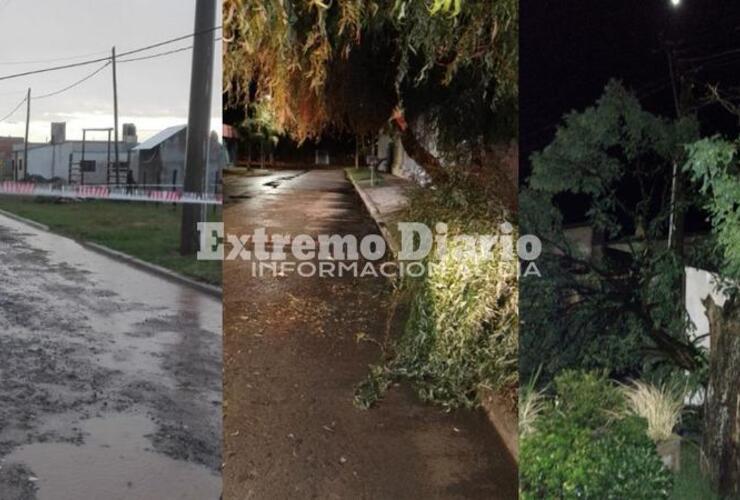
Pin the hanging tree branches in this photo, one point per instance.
(351, 64)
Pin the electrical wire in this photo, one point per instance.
(56, 59)
(102, 59)
(160, 54)
(166, 42)
(73, 85)
(14, 110)
(91, 75)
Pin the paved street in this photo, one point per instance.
(110, 377)
(292, 361)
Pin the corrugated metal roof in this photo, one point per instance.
(160, 137)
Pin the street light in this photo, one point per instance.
(675, 3)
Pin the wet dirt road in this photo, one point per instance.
(292, 361)
(110, 378)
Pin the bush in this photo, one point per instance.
(581, 449)
(589, 399)
(462, 331)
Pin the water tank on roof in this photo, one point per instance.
(129, 133)
(58, 132)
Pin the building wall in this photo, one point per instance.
(701, 284)
(52, 160)
(166, 163)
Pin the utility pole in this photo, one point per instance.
(115, 111)
(199, 121)
(25, 142)
(677, 213)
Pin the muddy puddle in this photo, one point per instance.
(115, 461)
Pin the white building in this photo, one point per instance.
(69, 162)
(160, 160)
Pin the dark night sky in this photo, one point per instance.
(571, 48)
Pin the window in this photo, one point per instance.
(87, 165)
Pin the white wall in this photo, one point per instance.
(52, 160)
(699, 285)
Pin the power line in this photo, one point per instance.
(108, 58)
(166, 42)
(160, 54)
(14, 110)
(91, 75)
(69, 87)
(56, 59)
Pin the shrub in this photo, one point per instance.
(589, 399)
(580, 449)
(660, 406)
(562, 460)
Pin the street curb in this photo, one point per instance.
(212, 290)
(377, 217)
(18, 218)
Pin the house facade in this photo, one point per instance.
(67, 162)
(160, 160)
(6, 156)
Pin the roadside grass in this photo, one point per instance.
(363, 175)
(246, 172)
(689, 484)
(148, 231)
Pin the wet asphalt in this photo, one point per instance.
(292, 360)
(110, 378)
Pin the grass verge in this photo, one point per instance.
(363, 175)
(689, 484)
(148, 231)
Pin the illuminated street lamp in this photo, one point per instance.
(675, 3)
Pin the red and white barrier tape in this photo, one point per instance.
(106, 193)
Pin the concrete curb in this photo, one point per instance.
(505, 421)
(377, 217)
(29, 222)
(212, 290)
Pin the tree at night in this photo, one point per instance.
(613, 309)
(714, 164)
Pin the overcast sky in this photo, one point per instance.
(152, 94)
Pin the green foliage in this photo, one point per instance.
(690, 484)
(302, 53)
(589, 399)
(462, 332)
(713, 164)
(581, 450)
(621, 308)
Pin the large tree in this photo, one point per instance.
(358, 65)
(714, 165)
(619, 306)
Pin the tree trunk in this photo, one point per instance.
(422, 157)
(262, 154)
(357, 152)
(396, 166)
(721, 446)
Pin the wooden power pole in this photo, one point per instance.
(199, 121)
(115, 113)
(25, 142)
